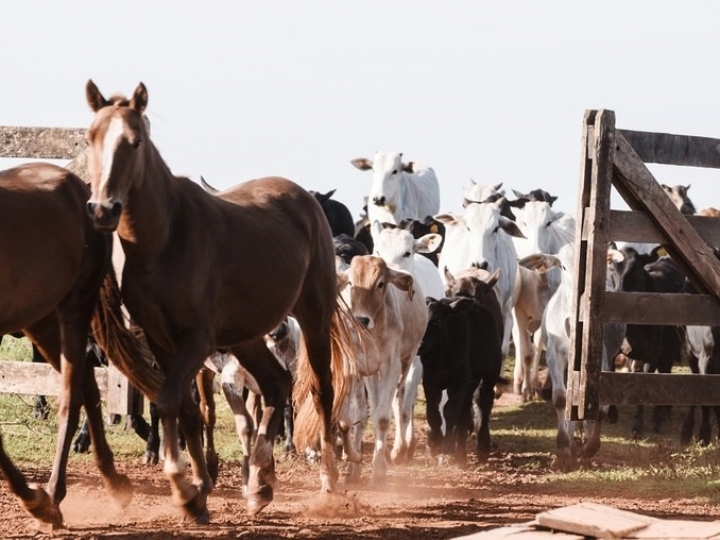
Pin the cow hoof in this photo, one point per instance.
(151, 458)
(258, 500)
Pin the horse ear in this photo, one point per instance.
(140, 98)
(94, 98)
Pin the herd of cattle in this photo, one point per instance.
(438, 299)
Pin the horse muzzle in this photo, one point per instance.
(105, 216)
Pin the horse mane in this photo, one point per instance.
(126, 347)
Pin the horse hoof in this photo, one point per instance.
(258, 500)
(43, 510)
(121, 490)
(196, 511)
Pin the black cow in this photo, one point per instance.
(337, 214)
(652, 348)
(347, 247)
(460, 353)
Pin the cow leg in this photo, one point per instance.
(435, 433)
(688, 426)
(152, 448)
(204, 382)
(81, 445)
(638, 422)
(557, 365)
(705, 428)
(485, 401)
(232, 382)
(381, 389)
(275, 384)
(522, 383)
(351, 420)
(404, 405)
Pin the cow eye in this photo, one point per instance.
(548, 223)
(395, 171)
(496, 229)
(407, 254)
(380, 284)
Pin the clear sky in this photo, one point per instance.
(493, 91)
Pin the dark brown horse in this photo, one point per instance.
(206, 272)
(52, 265)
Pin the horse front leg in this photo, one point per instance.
(174, 404)
(117, 485)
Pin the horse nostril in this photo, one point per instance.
(90, 208)
(116, 209)
(365, 321)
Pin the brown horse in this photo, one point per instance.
(53, 264)
(206, 272)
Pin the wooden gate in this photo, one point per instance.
(42, 379)
(616, 158)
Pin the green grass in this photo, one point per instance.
(12, 349)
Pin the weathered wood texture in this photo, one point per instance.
(659, 389)
(41, 142)
(39, 379)
(667, 149)
(641, 191)
(591, 262)
(661, 308)
(594, 520)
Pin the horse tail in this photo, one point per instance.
(308, 423)
(125, 347)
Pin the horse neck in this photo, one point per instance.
(145, 223)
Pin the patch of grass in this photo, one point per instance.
(13, 349)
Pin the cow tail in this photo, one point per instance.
(308, 424)
(126, 348)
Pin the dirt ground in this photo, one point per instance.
(421, 500)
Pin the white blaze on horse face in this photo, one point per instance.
(111, 141)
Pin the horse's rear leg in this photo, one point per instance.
(204, 381)
(275, 383)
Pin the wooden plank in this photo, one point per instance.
(674, 528)
(637, 182)
(659, 389)
(595, 520)
(591, 260)
(667, 149)
(661, 308)
(639, 227)
(520, 532)
(38, 379)
(122, 397)
(41, 142)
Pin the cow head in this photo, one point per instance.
(387, 170)
(397, 246)
(486, 225)
(365, 284)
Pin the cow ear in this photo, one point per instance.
(376, 229)
(342, 281)
(448, 219)
(493, 279)
(402, 280)
(364, 164)
(449, 278)
(510, 227)
(428, 243)
(552, 199)
(408, 167)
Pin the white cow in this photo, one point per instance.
(557, 321)
(545, 231)
(399, 190)
(481, 239)
(385, 302)
(400, 250)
